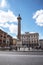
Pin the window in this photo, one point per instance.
(32, 41)
(34, 35)
(4, 36)
(4, 41)
(24, 36)
(0, 35)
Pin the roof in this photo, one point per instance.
(5, 33)
(27, 33)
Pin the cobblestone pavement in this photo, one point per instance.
(12, 58)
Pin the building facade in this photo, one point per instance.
(30, 39)
(41, 43)
(14, 41)
(5, 39)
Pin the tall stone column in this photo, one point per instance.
(19, 27)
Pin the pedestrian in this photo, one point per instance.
(19, 47)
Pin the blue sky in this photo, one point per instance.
(31, 12)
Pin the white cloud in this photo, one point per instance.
(3, 3)
(7, 20)
(32, 32)
(14, 37)
(38, 16)
(7, 16)
(1, 28)
(5, 25)
(13, 28)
